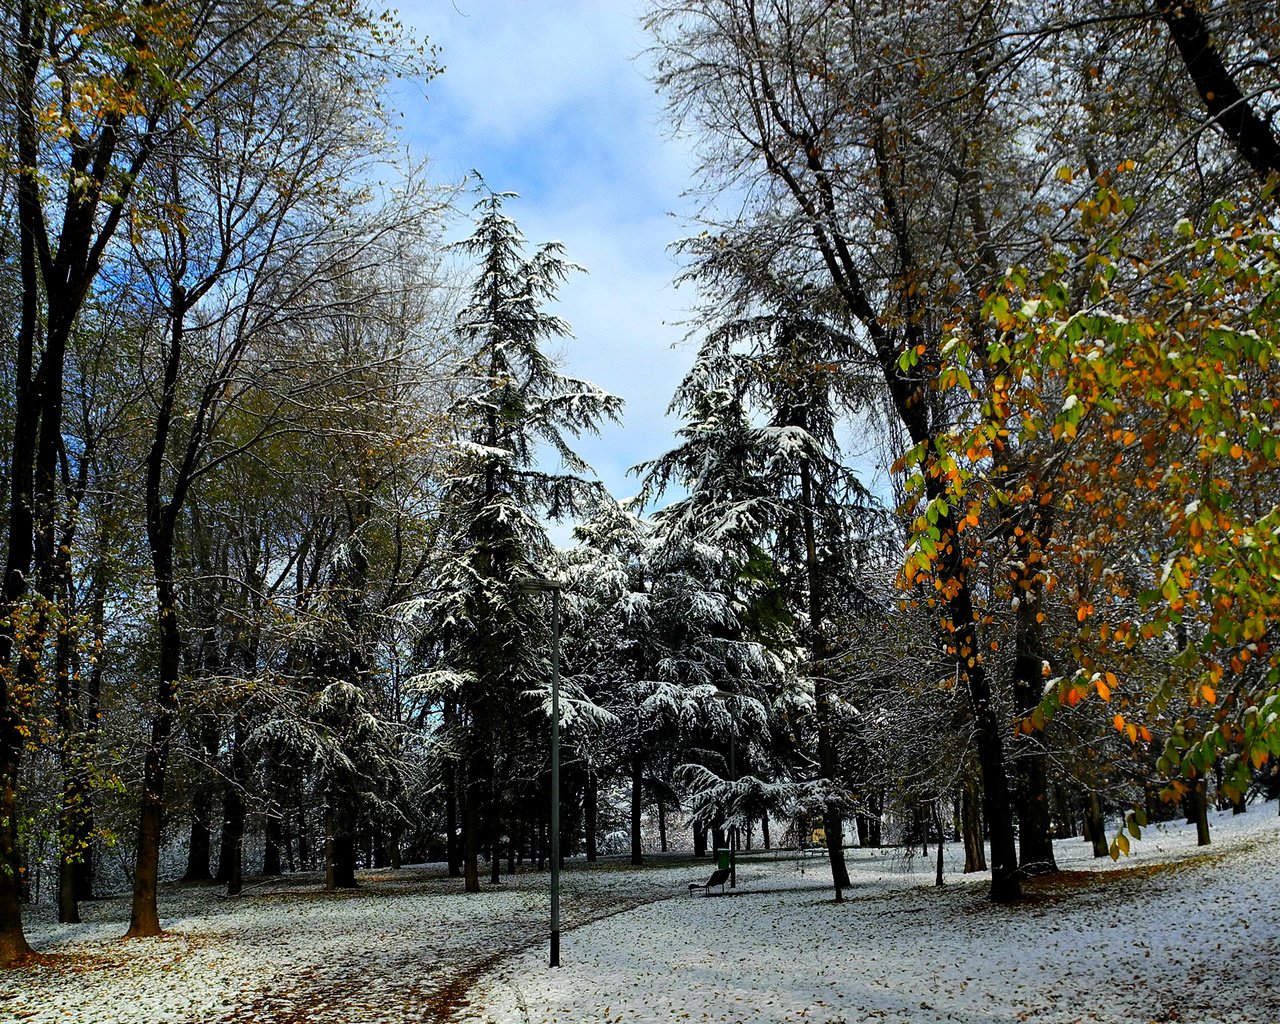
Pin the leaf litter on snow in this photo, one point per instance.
(1172, 933)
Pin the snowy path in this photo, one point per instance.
(1172, 934)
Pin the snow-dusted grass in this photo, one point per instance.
(401, 948)
(1172, 933)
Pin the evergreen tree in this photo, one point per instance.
(777, 491)
(482, 630)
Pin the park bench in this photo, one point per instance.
(718, 877)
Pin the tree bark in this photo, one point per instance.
(75, 789)
(340, 851)
(1035, 820)
(1200, 808)
(199, 850)
(144, 919)
(1095, 825)
(975, 854)
(590, 808)
(937, 817)
(271, 843)
(637, 804)
(452, 850)
(233, 827)
(304, 837)
(470, 841)
(1066, 820)
(699, 841)
(28, 399)
(1251, 136)
(832, 819)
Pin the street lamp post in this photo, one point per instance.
(542, 585)
(723, 697)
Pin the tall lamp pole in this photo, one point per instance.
(542, 585)
(723, 697)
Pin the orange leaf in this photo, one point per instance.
(1104, 691)
(1208, 693)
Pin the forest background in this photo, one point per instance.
(279, 462)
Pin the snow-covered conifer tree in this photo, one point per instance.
(663, 640)
(760, 461)
(483, 634)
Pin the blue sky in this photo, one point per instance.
(550, 99)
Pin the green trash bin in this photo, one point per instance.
(723, 860)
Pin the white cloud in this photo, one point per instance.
(546, 98)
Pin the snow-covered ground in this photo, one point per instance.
(1196, 942)
(1171, 934)
(404, 947)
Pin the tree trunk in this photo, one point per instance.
(161, 517)
(1066, 819)
(144, 918)
(1095, 825)
(637, 804)
(1200, 806)
(199, 850)
(937, 817)
(1035, 836)
(304, 838)
(339, 848)
(495, 842)
(590, 807)
(699, 840)
(234, 813)
(19, 550)
(330, 853)
(662, 826)
(1227, 105)
(75, 795)
(832, 819)
(226, 836)
(452, 849)
(764, 829)
(394, 849)
(975, 854)
(470, 841)
(344, 858)
(271, 843)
